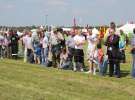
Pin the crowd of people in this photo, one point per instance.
(66, 51)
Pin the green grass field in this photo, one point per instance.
(20, 81)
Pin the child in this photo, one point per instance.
(49, 58)
(38, 54)
(102, 60)
(64, 62)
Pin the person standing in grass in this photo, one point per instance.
(133, 54)
(9, 49)
(54, 42)
(79, 40)
(37, 52)
(24, 41)
(122, 45)
(112, 44)
(45, 47)
(64, 60)
(14, 44)
(71, 47)
(1, 45)
(30, 49)
(92, 52)
(5, 45)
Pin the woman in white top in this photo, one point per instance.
(91, 51)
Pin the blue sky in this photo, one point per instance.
(61, 12)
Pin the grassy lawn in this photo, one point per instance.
(20, 81)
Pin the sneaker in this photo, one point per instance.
(88, 72)
(94, 73)
(1, 58)
(81, 70)
(74, 69)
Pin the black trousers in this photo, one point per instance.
(114, 68)
(56, 50)
(79, 59)
(71, 53)
(14, 48)
(30, 56)
(79, 55)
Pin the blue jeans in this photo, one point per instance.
(66, 65)
(133, 66)
(103, 67)
(44, 55)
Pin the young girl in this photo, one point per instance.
(38, 54)
(49, 58)
(100, 58)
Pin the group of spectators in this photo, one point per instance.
(66, 51)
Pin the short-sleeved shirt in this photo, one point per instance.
(45, 42)
(70, 42)
(80, 39)
(55, 38)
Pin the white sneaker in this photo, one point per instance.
(74, 69)
(81, 70)
(1, 58)
(94, 73)
(88, 72)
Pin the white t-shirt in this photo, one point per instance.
(79, 39)
(27, 42)
(91, 42)
(45, 42)
(24, 39)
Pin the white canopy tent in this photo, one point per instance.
(127, 28)
(66, 29)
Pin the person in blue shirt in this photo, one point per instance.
(122, 46)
